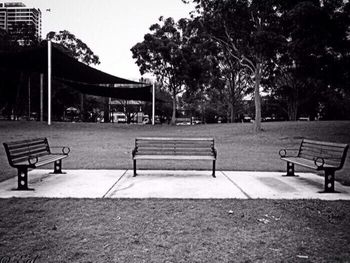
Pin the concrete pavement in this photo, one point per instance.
(172, 184)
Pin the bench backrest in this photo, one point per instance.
(18, 151)
(332, 153)
(175, 146)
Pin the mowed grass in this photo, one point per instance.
(163, 230)
(158, 230)
(109, 146)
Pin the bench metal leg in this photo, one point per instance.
(290, 169)
(329, 181)
(23, 179)
(134, 168)
(57, 167)
(214, 169)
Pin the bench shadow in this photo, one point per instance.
(318, 185)
(162, 174)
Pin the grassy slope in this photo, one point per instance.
(112, 230)
(108, 146)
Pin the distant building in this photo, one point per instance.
(16, 13)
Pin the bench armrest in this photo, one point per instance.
(284, 152)
(65, 150)
(319, 162)
(32, 159)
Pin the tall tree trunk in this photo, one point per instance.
(232, 117)
(173, 117)
(16, 111)
(232, 90)
(203, 108)
(82, 98)
(257, 99)
(292, 110)
(293, 104)
(106, 116)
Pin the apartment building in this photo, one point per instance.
(15, 13)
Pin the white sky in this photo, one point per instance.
(109, 27)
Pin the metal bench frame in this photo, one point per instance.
(162, 148)
(318, 155)
(30, 154)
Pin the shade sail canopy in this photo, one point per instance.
(125, 93)
(75, 74)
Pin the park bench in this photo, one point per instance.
(30, 154)
(317, 155)
(174, 149)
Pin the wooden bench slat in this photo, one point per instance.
(174, 149)
(173, 146)
(25, 141)
(28, 149)
(173, 152)
(332, 144)
(173, 139)
(22, 152)
(174, 157)
(323, 148)
(174, 142)
(314, 151)
(24, 144)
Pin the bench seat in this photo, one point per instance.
(307, 163)
(42, 160)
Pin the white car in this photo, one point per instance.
(119, 117)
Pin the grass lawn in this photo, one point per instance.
(115, 230)
(109, 146)
(158, 230)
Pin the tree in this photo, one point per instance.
(311, 64)
(248, 32)
(200, 67)
(74, 47)
(161, 53)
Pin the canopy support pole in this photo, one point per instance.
(29, 98)
(41, 97)
(49, 82)
(153, 103)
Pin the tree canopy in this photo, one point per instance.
(295, 51)
(161, 53)
(74, 46)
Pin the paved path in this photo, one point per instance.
(172, 184)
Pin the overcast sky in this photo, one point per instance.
(109, 27)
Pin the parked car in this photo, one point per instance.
(247, 119)
(119, 117)
(304, 118)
